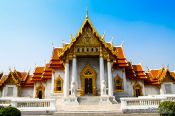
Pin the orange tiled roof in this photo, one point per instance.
(20, 78)
(172, 74)
(42, 73)
(139, 71)
(157, 76)
(55, 61)
(129, 71)
(47, 74)
(121, 59)
(37, 75)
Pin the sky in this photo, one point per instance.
(30, 28)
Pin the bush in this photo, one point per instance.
(10, 111)
(167, 108)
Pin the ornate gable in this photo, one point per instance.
(88, 42)
(11, 80)
(87, 38)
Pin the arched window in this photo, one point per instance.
(118, 84)
(78, 50)
(137, 89)
(40, 91)
(58, 85)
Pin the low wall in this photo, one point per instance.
(144, 104)
(34, 105)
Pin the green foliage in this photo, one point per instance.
(10, 111)
(167, 108)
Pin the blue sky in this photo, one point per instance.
(29, 27)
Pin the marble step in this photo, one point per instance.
(89, 100)
(89, 108)
(104, 114)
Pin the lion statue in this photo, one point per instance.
(103, 87)
(73, 90)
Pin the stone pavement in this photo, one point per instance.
(98, 114)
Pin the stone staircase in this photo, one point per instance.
(89, 100)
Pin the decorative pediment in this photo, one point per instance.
(11, 80)
(88, 71)
(87, 38)
(168, 78)
(88, 42)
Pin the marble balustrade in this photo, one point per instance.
(145, 102)
(29, 104)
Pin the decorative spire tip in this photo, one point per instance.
(86, 12)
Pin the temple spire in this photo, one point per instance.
(86, 13)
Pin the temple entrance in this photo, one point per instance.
(40, 91)
(88, 86)
(137, 89)
(40, 94)
(88, 81)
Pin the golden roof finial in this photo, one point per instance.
(86, 12)
(103, 36)
(14, 68)
(148, 68)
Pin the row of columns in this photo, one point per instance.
(74, 76)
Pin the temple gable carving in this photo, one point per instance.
(87, 38)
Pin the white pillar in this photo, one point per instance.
(66, 81)
(74, 70)
(74, 73)
(52, 84)
(101, 73)
(110, 87)
(124, 79)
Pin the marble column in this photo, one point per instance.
(66, 79)
(101, 74)
(52, 84)
(110, 86)
(74, 74)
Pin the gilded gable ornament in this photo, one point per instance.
(87, 38)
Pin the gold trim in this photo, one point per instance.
(118, 84)
(88, 72)
(137, 86)
(100, 38)
(56, 84)
(40, 88)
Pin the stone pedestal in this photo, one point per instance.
(70, 100)
(107, 100)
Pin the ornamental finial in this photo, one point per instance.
(86, 12)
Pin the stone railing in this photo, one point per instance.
(141, 105)
(30, 104)
(144, 103)
(5, 102)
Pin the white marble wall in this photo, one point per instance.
(121, 73)
(5, 91)
(26, 92)
(152, 90)
(55, 75)
(162, 88)
(94, 63)
(130, 84)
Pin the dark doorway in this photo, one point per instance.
(88, 86)
(137, 92)
(40, 94)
